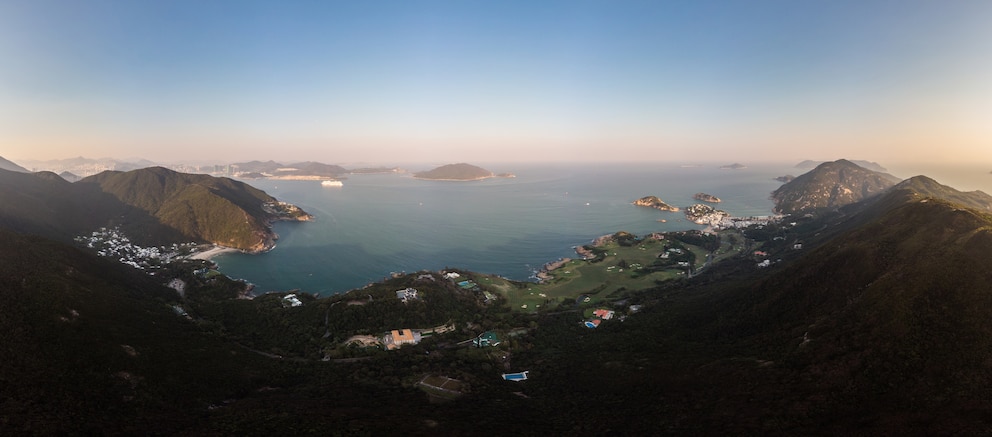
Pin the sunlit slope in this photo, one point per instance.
(202, 207)
(154, 206)
(830, 185)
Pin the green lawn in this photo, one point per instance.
(600, 280)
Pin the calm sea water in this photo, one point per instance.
(378, 224)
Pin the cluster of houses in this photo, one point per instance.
(743, 222)
(112, 243)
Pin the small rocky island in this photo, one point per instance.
(787, 178)
(656, 203)
(703, 197)
(459, 172)
(734, 166)
(705, 215)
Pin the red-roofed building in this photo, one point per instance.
(603, 314)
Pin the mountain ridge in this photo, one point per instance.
(218, 210)
(7, 164)
(154, 206)
(873, 166)
(830, 185)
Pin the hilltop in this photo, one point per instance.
(830, 185)
(217, 210)
(10, 166)
(455, 172)
(873, 166)
(153, 205)
(924, 186)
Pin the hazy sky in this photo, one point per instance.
(480, 81)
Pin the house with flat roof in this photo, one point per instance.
(400, 337)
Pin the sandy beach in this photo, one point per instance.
(212, 252)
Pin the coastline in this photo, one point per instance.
(356, 268)
(212, 252)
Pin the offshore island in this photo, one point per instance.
(703, 197)
(459, 172)
(656, 203)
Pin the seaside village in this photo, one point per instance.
(596, 282)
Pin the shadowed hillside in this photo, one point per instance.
(45, 204)
(154, 206)
(10, 166)
(92, 347)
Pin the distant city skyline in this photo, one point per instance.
(434, 82)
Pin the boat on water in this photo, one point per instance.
(332, 183)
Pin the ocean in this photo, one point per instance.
(377, 224)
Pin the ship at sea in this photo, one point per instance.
(331, 183)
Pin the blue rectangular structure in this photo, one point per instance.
(515, 376)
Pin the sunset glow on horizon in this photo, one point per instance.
(394, 82)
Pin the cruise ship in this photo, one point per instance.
(331, 183)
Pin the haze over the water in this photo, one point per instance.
(389, 82)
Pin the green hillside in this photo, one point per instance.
(45, 204)
(153, 206)
(201, 207)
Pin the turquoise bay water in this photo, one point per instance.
(378, 224)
